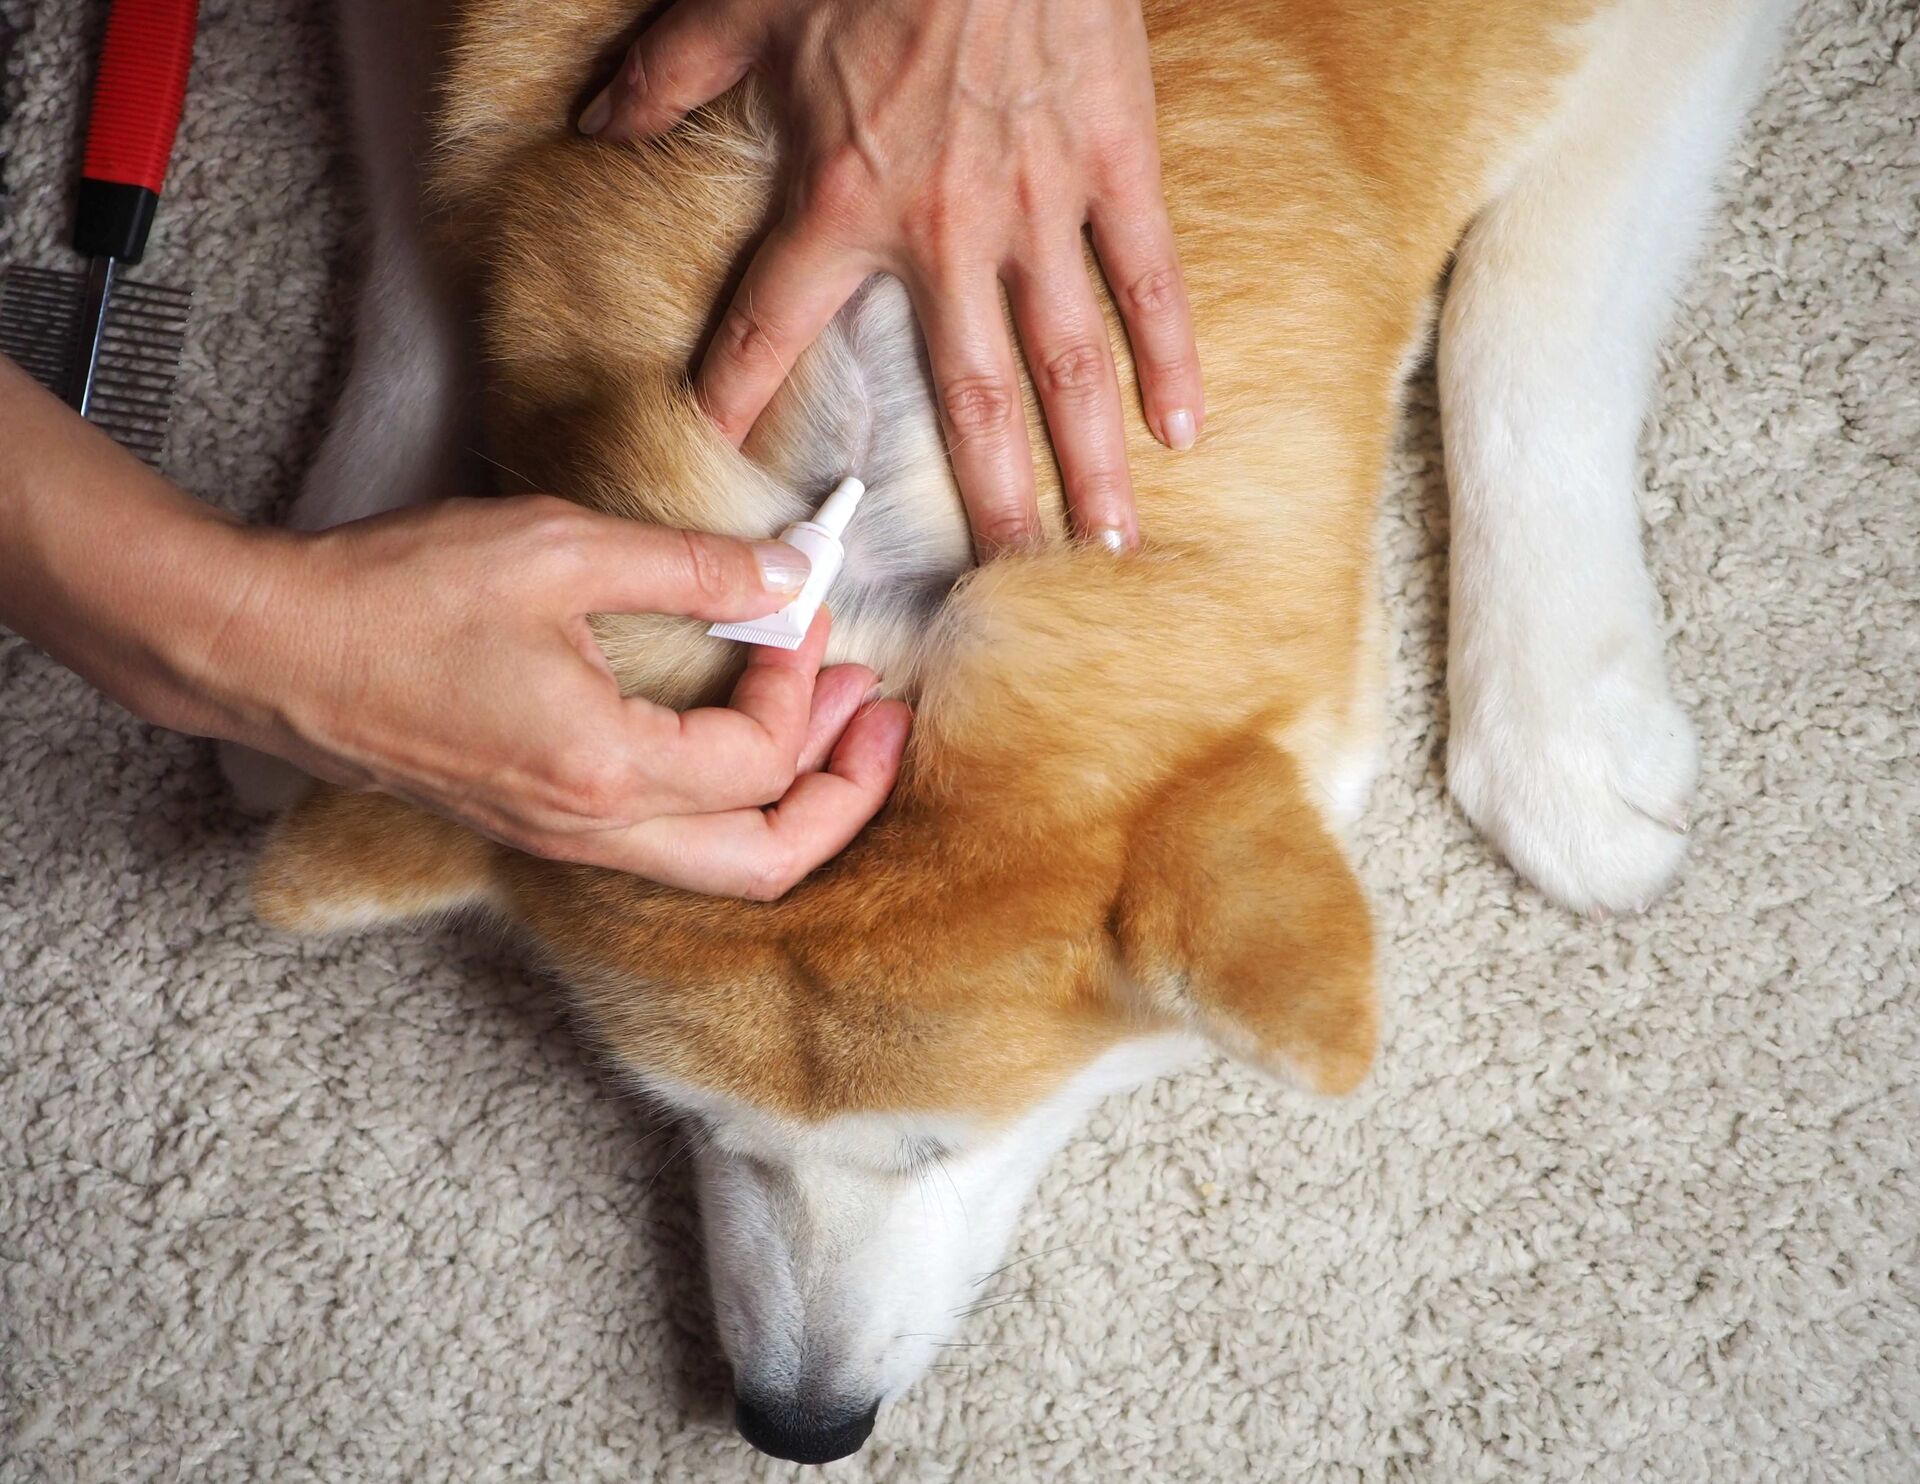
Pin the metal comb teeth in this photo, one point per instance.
(140, 346)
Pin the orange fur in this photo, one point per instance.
(1111, 814)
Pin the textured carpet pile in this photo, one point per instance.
(1625, 1201)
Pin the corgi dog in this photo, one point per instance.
(1117, 835)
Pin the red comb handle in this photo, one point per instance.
(136, 113)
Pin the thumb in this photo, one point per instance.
(635, 568)
(690, 56)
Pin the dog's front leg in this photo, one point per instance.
(401, 432)
(1566, 746)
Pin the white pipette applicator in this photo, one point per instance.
(820, 539)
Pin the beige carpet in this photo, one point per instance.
(1633, 1201)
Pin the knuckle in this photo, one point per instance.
(771, 776)
(1155, 292)
(775, 876)
(592, 781)
(1171, 370)
(708, 570)
(550, 523)
(560, 542)
(1007, 529)
(927, 231)
(1076, 372)
(841, 189)
(1033, 194)
(1099, 490)
(633, 76)
(1119, 157)
(747, 337)
(548, 517)
(977, 406)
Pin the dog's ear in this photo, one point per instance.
(340, 860)
(1241, 916)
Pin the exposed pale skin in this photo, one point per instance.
(422, 654)
(962, 148)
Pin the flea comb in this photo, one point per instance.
(108, 345)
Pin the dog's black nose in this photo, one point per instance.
(802, 1433)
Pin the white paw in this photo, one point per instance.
(263, 784)
(1586, 784)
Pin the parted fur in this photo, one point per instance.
(1119, 808)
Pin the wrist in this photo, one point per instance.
(218, 659)
(110, 569)
(130, 584)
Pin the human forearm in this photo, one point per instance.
(112, 570)
(443, 654)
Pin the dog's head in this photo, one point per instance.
(877, 1068)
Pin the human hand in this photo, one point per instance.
(958, 146)
(442, 654)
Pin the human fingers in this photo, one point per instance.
(1065, 339)
(689, 56)
(605, 564)
(745, 753)
(1134, 240)
(838, 694)
(980, 409)
(795, 284)
(763, 853)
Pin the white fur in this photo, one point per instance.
(400, 434)
(1349, 782)
(1567, 748)
(843, 1255)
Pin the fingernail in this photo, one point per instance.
(1114, 539)
(783, 568)
(1179, 426)
(598, 112)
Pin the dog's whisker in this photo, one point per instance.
(686, 1146)
(1003, 1299)
(487, 458)
(940, 1344)
(954, 1186)
(1030, 1257)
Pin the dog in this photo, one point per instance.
(1117, 836)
